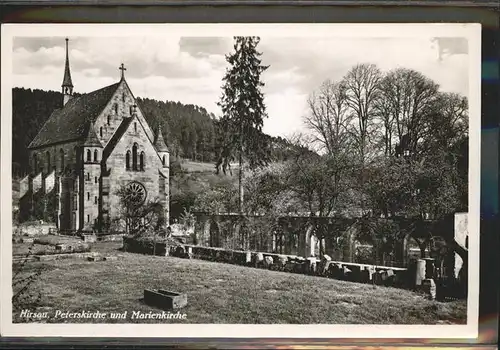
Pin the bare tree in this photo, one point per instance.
(408, 98)
(362, 83)
(362, 88)
(447, 121)
(328, 117)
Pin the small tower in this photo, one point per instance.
(164, 173)
(92, 154)
(67, 84)
(162, 149)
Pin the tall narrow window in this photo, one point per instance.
(61, 155)
(163, 161)
(95, 179)
(134, 157)
(88, 196)
(89, 156)
(88, 218)
(115, 107)
(135, 126)
(141, 161)
(95, 156)
(88, 176)
(35, 163)
(47, 160)
(76, 154)
(95, 200)
(123, 97)
(100, 131)
(108, 119)
(127, 160)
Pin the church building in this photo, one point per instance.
(95, 148)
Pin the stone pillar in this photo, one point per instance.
(308, 240)
(312, 245)
(420, 272)
(461, 232)
(273, 248)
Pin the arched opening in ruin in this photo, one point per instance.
(214, 237)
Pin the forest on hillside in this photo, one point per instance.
(190, 131)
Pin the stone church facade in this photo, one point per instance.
(95, 147)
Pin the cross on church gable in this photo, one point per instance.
(123, 69)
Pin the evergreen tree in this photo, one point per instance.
(243, 109)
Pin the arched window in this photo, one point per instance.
(35, 163)
(163, 161)
(100, 131)
(127, 160)
(47, 159)
(134, 157)
(135, 126)
(95, 155)
(61, 156)
(76, 153)
(141, 161)
(89, 156)
(108, 119)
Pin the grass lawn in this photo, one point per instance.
(222, 293)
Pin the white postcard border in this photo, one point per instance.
(471, 31)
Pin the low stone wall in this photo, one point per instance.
(144, 246)
(110, 238)
(361, 273)
(34, 229)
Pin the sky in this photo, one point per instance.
(190, 69)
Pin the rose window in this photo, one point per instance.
(135, 193)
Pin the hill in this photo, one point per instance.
(190, 131)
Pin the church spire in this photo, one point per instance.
(160, 142)
(67, 84)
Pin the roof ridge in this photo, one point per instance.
(70, 122)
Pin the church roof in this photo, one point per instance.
(91, 140)
(160, 142)
(71, 122)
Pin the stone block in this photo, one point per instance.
(259, 259)
(60, 247)
(94, 258)
(165, 300)
(46, 257)
(281, 262)
(311, 265)
(27, 240)
(268, 261)
(248, 257)
(89, 238)
(429, 287)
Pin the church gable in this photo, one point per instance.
(119, 107)
(128, 143)
(130, 157)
